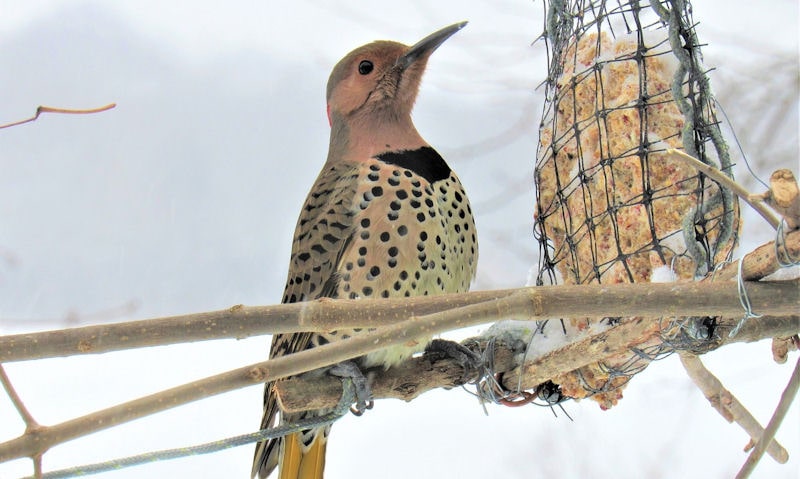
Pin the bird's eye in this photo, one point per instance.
(365, 67)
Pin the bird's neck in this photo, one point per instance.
(363, 137)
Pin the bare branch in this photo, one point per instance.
(782, 346)
(594, 301)
(760, 262)
(726, 403)
(774, 423)
(428, 316)
(235, 322)
(50, 109)
(524, 303)
(30, 422)
(783, 196)
(30, 445)
(727, 182)
(419, 375)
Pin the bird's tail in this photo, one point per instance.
(301, 462)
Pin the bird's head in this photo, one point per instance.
(379, 81)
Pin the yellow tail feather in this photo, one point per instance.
(297, 465)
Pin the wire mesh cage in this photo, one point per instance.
(626, 83)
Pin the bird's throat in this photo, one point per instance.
(362, 137)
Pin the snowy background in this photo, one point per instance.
(184, 197)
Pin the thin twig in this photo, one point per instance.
(727, 182)
(774, 423)
(30, 422)
(50, 109)
(726, 403)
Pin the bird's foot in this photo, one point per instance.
(349, 369)
(471, 363)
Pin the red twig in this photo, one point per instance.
(50, 109)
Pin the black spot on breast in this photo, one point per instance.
(330, 238)
(425, 162)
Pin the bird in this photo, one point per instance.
(385, 218)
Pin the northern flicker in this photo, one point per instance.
(386, 217)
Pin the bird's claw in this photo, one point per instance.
(349, 369)
(471, 363)
(357, 412)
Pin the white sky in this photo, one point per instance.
(184, 198)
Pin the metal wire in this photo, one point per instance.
(782, 254)
(348, 397)
(745, 302)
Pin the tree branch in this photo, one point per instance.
(591, 301)
(428, 316)
(727, 405)
(50, 109)
(774, 423)
(35, 443)
(27, 417)
(760, 262)
(721, 178)
(783, 196)
(421, 374)
(525, 303)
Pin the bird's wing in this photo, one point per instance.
(322, 237)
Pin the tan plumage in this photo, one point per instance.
(386, 217)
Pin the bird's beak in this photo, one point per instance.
(427, 45)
